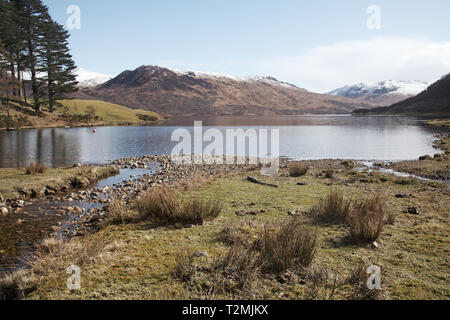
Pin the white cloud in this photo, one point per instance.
(325, 68)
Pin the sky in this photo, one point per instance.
(317, 45)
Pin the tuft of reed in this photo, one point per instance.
(333, 209)
(367, 219)
(297, 169)
(36, 168)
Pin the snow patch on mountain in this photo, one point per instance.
(87, 78)
(376, 89)
(212, 75)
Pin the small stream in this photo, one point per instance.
(27, 226)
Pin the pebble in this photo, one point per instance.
(4, 211)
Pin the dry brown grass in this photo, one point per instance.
(36, 168)
(51, 258)
(366, 219)
(185, 267)
(161, 206)
(291, 247)
(321, 283)
(118, 214)
(333, 209)
(297, 169)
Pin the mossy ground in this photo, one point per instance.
(413, 253)
(16, 183)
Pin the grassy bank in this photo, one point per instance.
(17, 184)
(439, 123)
(221, 258)
(75, 113)
(435, 167)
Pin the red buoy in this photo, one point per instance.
(94, 131)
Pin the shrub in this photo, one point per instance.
(322, 283)
(329, 174)
(185, 267)
(239, 268)
(161, 206)
(333, 209)
(157, 206)
(292, 246)
(35, 168)
(118, 214)
(350, 164)
(366, 219)
(297, 169)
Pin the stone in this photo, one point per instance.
(77, 209)
(375, 245)
(19, 204)
(19, 221)
(56, 228)
(4, 212)
(200, 254)
(402, 196)
(413, 210)
(295, 212)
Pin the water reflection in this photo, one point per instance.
(302, 137)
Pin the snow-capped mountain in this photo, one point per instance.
(87, 78)
(212, 75)
(382, 92)
(173, 92)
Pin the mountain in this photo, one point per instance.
(435, 100)
(382, 93)
(173, 92)
(87, 78)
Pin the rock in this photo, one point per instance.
(402, 196)
(295, 212)
(200, 254)
(19, 204)
(56, 228)
(413, 210)
(19, 221)
(77, 209)
(302, 183)
(375, 245)
(69, 199)
(4, 211)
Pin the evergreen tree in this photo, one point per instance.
(32, 16)
(57, 63)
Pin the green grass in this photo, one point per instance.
(413, 252)
(107, 112)
(17, 183)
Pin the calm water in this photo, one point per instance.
(301, 137)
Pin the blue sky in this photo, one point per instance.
(318, 45)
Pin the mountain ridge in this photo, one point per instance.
(435, 100)
(382, 93)
(173, 92)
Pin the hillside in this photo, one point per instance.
(75, 113)
(435, 100)
(382, 93)
(173, 92)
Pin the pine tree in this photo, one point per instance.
(58, 64)
(32, 16)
